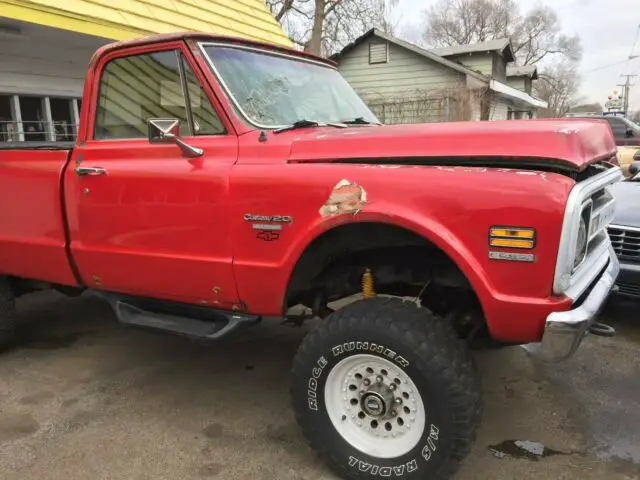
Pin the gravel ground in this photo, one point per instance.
(84, 398)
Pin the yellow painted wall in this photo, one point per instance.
(126, 19)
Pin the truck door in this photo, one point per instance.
(144, 218)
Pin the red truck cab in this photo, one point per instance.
(216, 182)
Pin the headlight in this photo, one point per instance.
(583, 236)
(581, 244)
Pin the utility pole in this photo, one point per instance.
(627, 87)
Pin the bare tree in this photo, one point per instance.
(538, 35)
(461, 22)
(279, 8)
(534, 35)
(325, 26)
(558, 86)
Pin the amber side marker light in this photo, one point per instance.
(512, 237)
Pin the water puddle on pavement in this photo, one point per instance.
(523, 449)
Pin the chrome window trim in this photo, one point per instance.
(568, 281)
(263, 51)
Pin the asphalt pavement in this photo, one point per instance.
(83, 398)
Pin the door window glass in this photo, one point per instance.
(205, 119)
(136, 88)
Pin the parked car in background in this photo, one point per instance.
(624, 231)
(626, 156)
(627, 135)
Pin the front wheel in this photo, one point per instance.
(384, 388)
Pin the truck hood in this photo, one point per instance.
(627, 196)
(569, 144)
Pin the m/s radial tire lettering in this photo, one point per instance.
(424, 347)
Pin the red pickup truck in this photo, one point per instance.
(216, 182)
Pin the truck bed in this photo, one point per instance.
(33, 237)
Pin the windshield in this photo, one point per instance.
(274, 91)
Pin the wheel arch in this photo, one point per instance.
(321, 245)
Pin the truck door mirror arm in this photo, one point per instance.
(167, 130)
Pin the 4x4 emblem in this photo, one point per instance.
(268, 236)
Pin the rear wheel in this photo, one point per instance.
(8, 315)
(384, 388)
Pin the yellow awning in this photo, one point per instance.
(126, 19)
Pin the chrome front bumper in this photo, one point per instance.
(563, 331)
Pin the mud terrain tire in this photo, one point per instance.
(386, 355)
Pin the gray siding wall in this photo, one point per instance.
(46, 61)
(516, 82)
(521, 83)
(499, 110)
(405, 72)
(499, 67)
(480, 62)
(409, 88)
(31, 75)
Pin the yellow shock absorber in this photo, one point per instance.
(368, 289)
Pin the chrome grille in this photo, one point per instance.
(628, 289)
(625, 242)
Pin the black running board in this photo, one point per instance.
(194, 322)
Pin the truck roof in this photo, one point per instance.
(201, 36)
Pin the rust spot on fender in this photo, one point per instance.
(345, 198)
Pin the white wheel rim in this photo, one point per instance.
(364, 428)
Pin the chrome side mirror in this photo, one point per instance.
(167, 130)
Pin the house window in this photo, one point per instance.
(62, 119)
(35, 128)
(7, 126)
(378, 53)
(37, 118)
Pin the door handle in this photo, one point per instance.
(85, 171)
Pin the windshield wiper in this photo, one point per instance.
(304, 123)
(360, 121)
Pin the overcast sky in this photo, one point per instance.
(606, 28)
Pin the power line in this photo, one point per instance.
(633, 46)
(626, 60)
(602, 67)
(626, 87)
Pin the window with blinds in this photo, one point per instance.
(378, 53)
